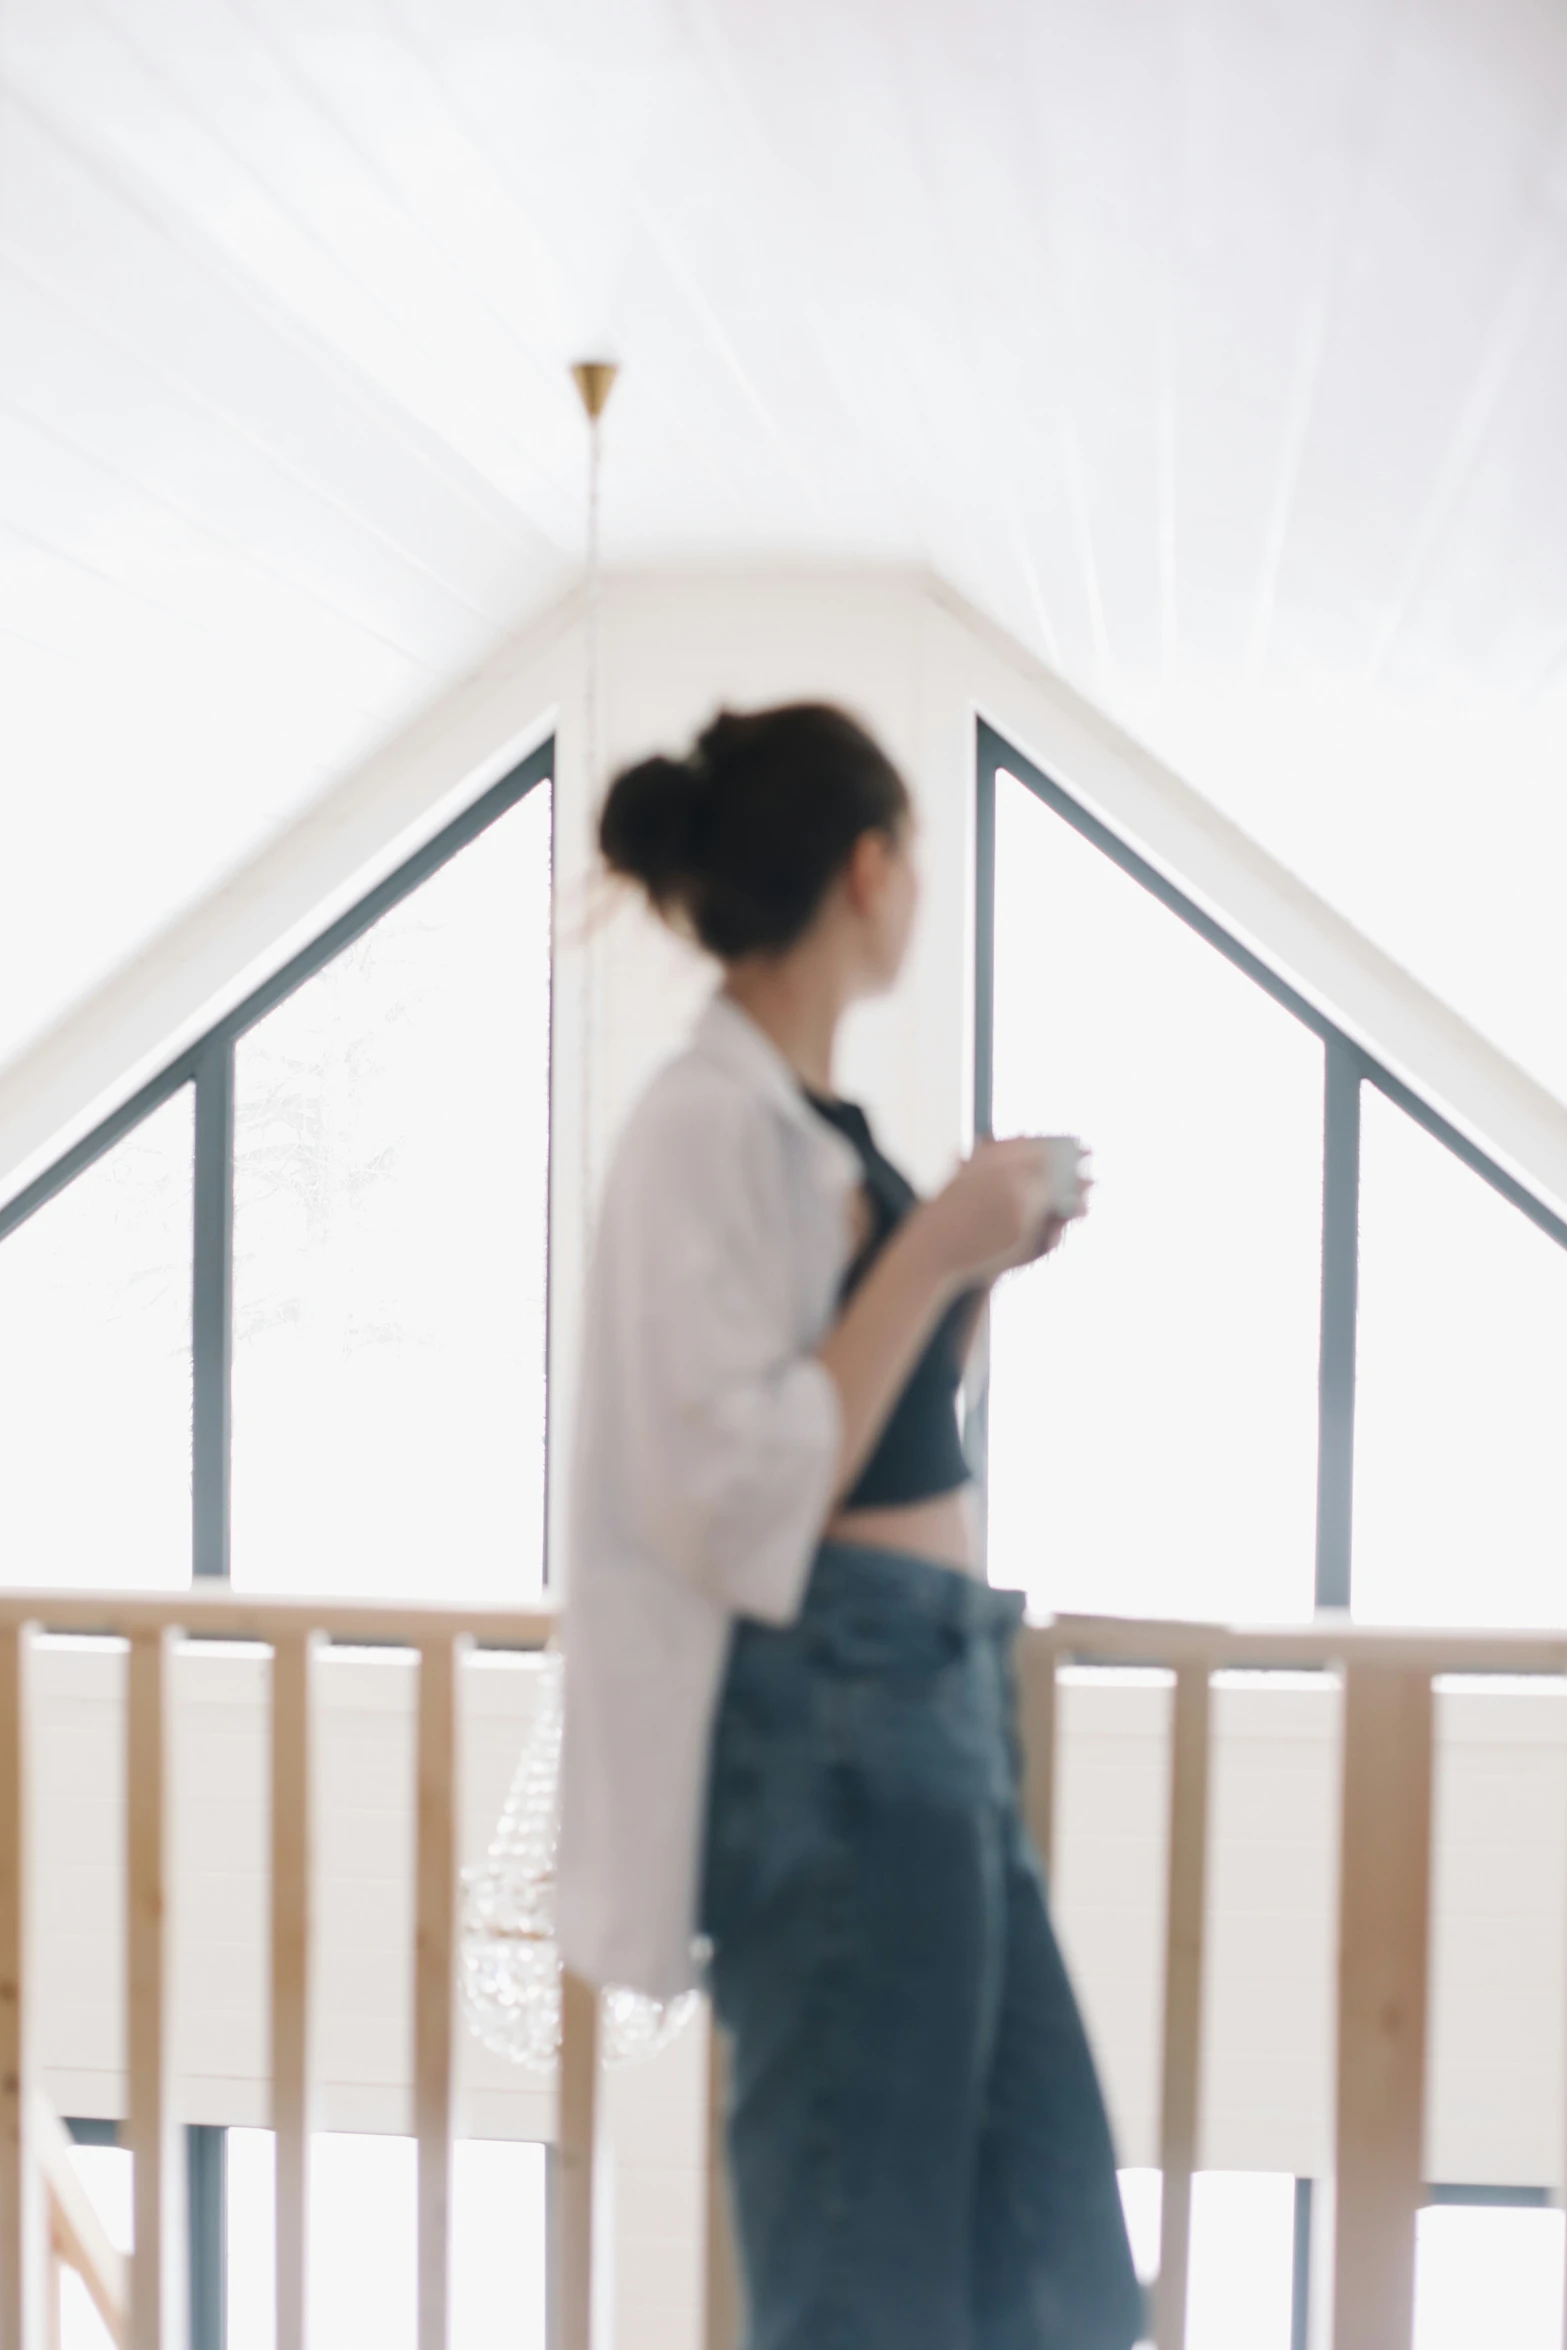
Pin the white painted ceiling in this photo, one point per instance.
(1216, 347)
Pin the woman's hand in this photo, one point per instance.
(994, 1214)
(1052, 1234)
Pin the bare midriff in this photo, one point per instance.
(944, 1529)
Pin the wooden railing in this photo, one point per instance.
(1383, 1924)
(35, 2210)
(1382, 1942)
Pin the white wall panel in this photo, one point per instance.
(363, 1886)
(1497, 2098)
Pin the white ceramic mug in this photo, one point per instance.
(1064, 1160)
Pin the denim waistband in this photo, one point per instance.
(850, 1576)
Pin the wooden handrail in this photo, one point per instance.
(1106, 1640)
(1329, 1642)
(230, 1615)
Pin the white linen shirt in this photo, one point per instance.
(706, 1439)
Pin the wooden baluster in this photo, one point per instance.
(291, 1903)
(1188, 1869)
(25, 2266)
(573, 2165)
(1036, 1655)
(721, 2330)
(435, 1979)
(158, 2264)
(1383, 1927)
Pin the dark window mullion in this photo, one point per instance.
(207, 2215)
(976, 1401)
(984, 941)
(1340, 1297)
(537, 768)
(1300, 2295)
(212, 1330)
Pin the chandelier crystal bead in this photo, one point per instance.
(510, 1962)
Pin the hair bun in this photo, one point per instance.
(645, 829)
(721, 738)
(738, 845)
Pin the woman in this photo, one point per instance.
(788, 1721)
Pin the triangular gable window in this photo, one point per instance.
(285, 1312)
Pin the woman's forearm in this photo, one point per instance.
(877, 1339)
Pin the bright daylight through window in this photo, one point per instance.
(363, 2235)
(1153, 1416)
(391, 1168)
(95, 1371)
(391, 1172)
(1461, 1407)
(1153, 1393)
(362, 2238)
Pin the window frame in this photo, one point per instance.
(1347, 1067)
(208, 1065)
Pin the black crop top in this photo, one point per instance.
(918, 1452)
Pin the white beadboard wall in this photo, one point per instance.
(1496, 2091)
(364, 1826)
(1498, 2100)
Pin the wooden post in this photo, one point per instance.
(435, 1980)
(722, 2327)
(574, 2140)
(158, 2262)
(1383, 1923)
(26, 2270)
(291, 1903)
(1188, 1868)
(1036, 1653)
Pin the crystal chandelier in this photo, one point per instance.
(510, 1964)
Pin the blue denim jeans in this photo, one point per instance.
(919, 2156)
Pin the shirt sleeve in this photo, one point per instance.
(733, 1427)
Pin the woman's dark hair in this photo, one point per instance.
(741, 840)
